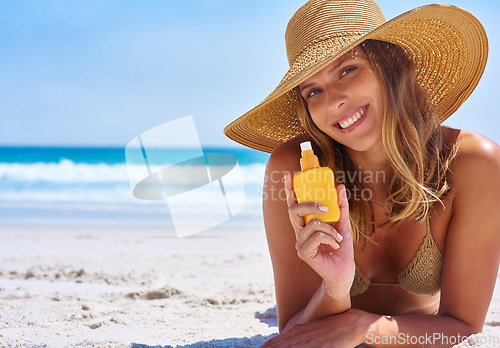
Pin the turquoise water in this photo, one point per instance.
(112, 155)
(92, 186)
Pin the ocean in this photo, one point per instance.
(76, 185)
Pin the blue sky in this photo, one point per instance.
(100, 72)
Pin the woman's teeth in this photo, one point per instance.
(352, 120)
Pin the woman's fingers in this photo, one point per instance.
(297, 212)
(323, 233)
(313, 235)
(309, 248)
(291, 199)
(343, 226)
(317, 226)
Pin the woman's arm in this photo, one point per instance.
(301, 293)
(472, 249)
(356, 327)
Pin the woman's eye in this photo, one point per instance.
(347, 71)
(313, 93)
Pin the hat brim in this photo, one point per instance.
(448, 45)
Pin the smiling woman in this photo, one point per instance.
(371, 95)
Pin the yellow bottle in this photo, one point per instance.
(317, 185)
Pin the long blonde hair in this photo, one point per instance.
(412, 138)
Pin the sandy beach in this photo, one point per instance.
(114, 286)
(111, 286)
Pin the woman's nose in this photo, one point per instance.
(336, 98)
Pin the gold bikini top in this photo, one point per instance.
(422, 275)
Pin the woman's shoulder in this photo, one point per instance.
(286, 156)
(474, 147)
(477, 156)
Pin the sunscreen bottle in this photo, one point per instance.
(317, 185)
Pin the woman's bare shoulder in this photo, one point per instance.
(478, 157)
(476, 148)
(286, 156)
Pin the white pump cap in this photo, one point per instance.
(306, 145)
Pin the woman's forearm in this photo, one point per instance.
(418, 330)
(321, 305)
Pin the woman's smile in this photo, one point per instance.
(351, 120)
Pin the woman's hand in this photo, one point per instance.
(347, 329)
(325, 248)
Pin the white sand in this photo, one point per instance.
(112, 287)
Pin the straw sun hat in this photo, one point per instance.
(447, 44)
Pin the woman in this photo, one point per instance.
(414, 257)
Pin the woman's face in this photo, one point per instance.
(345, 102)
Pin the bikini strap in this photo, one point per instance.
(428, 224)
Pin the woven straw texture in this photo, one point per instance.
(448, 45)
